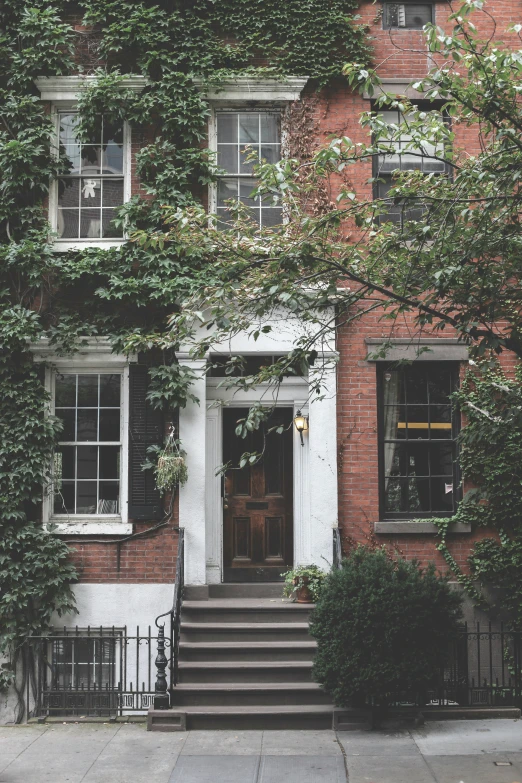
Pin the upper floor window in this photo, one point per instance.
(417, 431)
(428, 160)
(93, 188)
(407, 16)
(245, 138)
(87, 463)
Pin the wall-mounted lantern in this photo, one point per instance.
(301, 424)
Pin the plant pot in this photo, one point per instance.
(302, 591)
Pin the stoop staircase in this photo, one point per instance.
(245, 662)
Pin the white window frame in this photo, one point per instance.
(213, 145)
(91, 362)
(62, 245)
(62, 93)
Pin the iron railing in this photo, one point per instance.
(337, 551)
(162, 688)
(91, 672)
(484, 668)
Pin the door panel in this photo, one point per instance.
(257, 507)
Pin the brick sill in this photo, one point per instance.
(407, 527)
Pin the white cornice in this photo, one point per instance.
(401, 87)
(244, 89)
(95, 350)
(66, 88)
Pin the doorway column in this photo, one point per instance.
(322, 436)
(192, 433)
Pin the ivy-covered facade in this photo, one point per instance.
(111, 113)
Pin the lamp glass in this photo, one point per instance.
(301, 422)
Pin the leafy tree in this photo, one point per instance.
(382, 626)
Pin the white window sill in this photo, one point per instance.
(412, 528)
(90, 526)
(61, 246)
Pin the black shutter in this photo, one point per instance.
(145, 429)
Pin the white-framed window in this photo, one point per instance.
(83, 202)
(90, 463)
(242, 138)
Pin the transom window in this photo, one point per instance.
(244, 139)
(417, 432)
(87, 461)
(92, 190)
(408, 16)
(403, 159)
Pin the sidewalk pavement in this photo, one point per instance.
(439, 752)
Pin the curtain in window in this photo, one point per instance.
(391, 417)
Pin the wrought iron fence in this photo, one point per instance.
(484, 668)
(93, 672)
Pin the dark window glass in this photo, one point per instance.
(87, 475)
(407, 16)
(419, 474)
(243, 140)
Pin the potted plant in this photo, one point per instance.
(303, 583)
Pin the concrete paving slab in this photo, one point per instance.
(14, 740)
(211, 769)
(137, 756)
(300, 743)
(386, 769)
(378, 743)
(473, 769)
(62, 754)
(233, 743)
(302, 769)
(444, 738)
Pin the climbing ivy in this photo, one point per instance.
(130, 292)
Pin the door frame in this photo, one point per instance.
(293, 394)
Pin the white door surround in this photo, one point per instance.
(315, 464)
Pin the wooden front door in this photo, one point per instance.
(257, 502)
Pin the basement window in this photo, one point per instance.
(407, 16)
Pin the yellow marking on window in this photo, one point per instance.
(423, 425)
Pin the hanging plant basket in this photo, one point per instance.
(171, 468)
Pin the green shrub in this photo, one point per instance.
(381, 626)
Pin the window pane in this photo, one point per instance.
(249, 128)
(417, 386)
(65, 391)
(270, 152)
(441, 459)
(72, 157)
(112, 159)
(109, 497)
(246, 186)
(227, 127)
(68, 223)
(442, 494)
(68, 417)
(68, 193)
(87, 462)
(91, 193)
(112, 192)
(109, 229)
(109, 424)
(91, 159)
(227, 158)
(248, 158)
(87, 424)
(90, 224)
(227, 189)
(64, 463)
(88, 391)
(270, 124)
(110, 390)
(67, 128)
(64, 499)
(86, 492)
(440, 385)
(109, 462)
(272, 216)
(416, 16)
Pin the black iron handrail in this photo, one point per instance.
(162, 698)
(337, 551)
